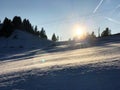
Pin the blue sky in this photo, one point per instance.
(60, 16)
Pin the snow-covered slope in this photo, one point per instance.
(92, 68)
(24, 39)
(20, 42)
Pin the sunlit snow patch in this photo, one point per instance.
(43, 60)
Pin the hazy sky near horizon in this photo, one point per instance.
(60, 16)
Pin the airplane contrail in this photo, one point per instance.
(100, 3)
(112, 20)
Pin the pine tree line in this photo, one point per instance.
(8, 27)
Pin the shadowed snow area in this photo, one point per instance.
(108, 53)
(92, 68)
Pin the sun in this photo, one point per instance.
(79, 31)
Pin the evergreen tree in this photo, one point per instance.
(17, 22)
(7, 28)
(106, 32)
(57, 38)
(93, 34)
(43, 34)
(24, 24)
(54, 38)
(36, 32)
(36, 29)
(27, 26)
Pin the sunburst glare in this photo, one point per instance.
(79, 31)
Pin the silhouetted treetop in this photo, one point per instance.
(106, 32)
(54, 38)
(17, 22)
(43, 34)
(7, 28)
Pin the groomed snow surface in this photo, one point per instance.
(61, 67)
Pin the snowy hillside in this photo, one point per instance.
(24, 39)
(63, 68)
(20, 42)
